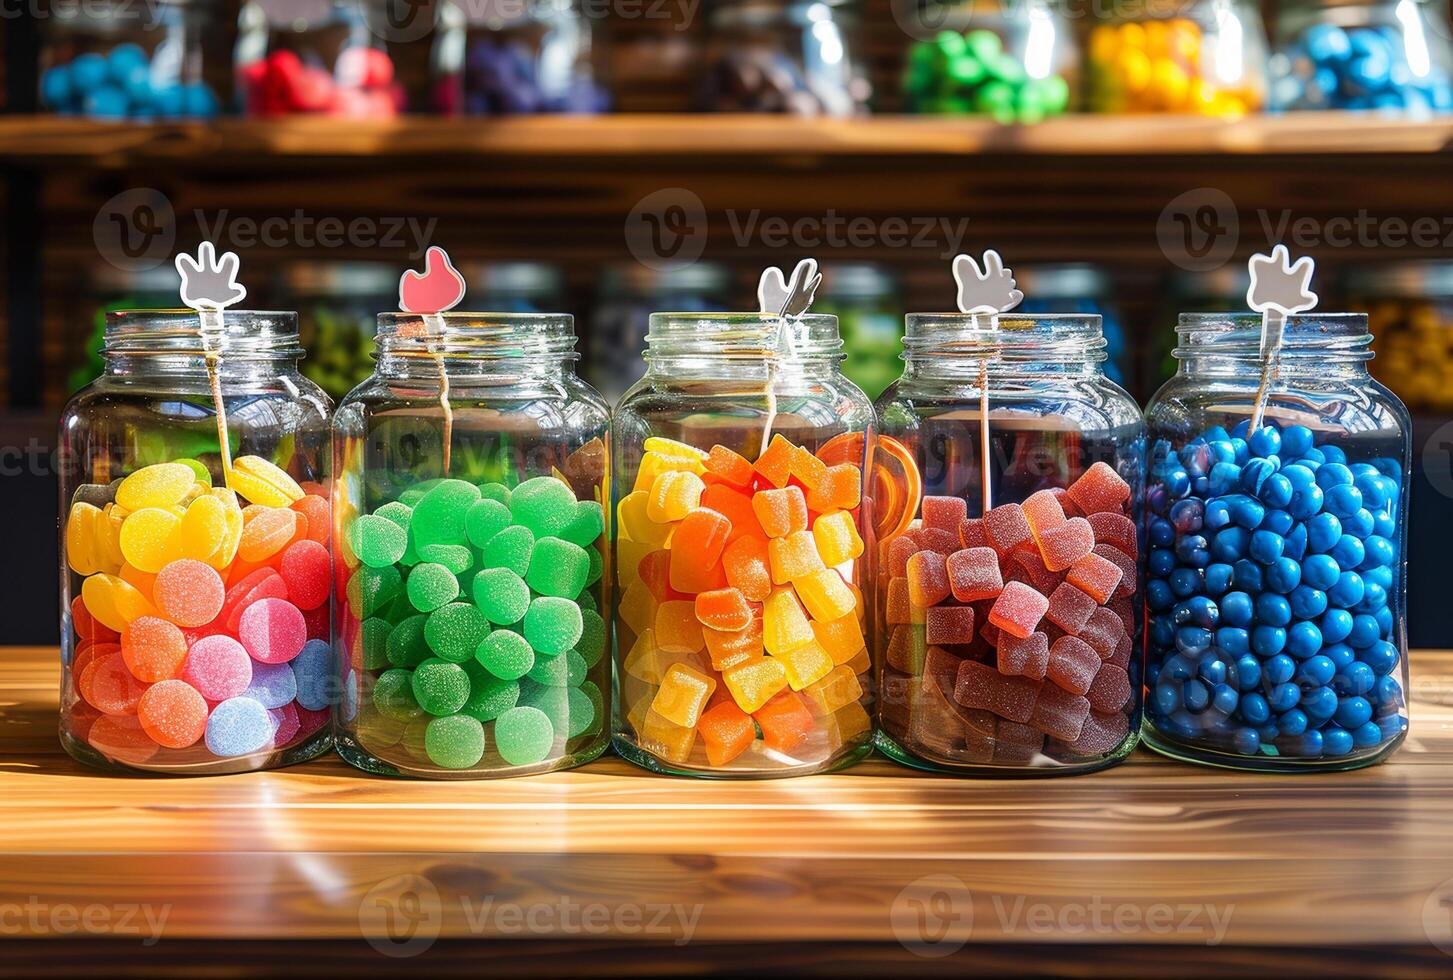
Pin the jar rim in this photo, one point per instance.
(465, 333)
(1239, 333)
(742, 334)
(1013, 335)
(180, 332)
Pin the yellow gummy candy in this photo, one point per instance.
(825, 594)
(142, 582)
(654, 464)
(638, 607)
(262, 482)
(755, 682)
(784, 624)
(793, 557)
(642, 661)
(670, 447)
(227, 550)
(147, 537)
(846, 724)
(665, 738)
(91, 541)
(839, 688)
(637, 523)
(683, 694)
(805, 665)
(114, 602)
(841, 638)
(160, 485)
(673, 495)
(837, 538)
(203, 529)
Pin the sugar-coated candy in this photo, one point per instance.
(544, 504)
(696, 550)
(431, 585)
(805, 665)
(153, 649)
(1110, 690)
(974, 574)
(378, 541)
(1018, 610)
(523, 736)
(900, 550)
(837, 538)
(172, 714)
(825, 595)
(272, 631)
(1114, 529)
(1006, 528)
(775, 464)
(266, 531)
(307, 570)
(552, 625)
(1099, 489)
(677, 628)
(736, 507)
(286, 723)
(218, 667)
(729, 467)
(263, 482)
(981, 686)
(949, 626)
(793, 557)
(785, 721)
(1073, 664)
(1063, 545)
(748, 567)
(501, 596)
(505, 654)
(944, 513)
(1096, 576)
(238, 726)
(1023, 656)
(558, 568)
(440, 687)
(840, 489)
(1070, 608)
(780, 512)
(122, 739)
(726, 732)
(455, 741)
(313, 675)
(272, 685)
(1060, 713)
(455, 630)
(723, 609)
(928, 579)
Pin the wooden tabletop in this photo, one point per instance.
(1149, 867)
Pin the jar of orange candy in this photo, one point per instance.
(1008, 618)
(195, 633)
(741, 523)
(1205, 57)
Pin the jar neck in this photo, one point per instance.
(488, 348)
(960, 346)
(1315, 347)
(742, 346)
(179, 344)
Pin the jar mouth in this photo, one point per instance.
(472, 334)
(742, 335)
(1305, 335)
(1046, 336)
(270, 333)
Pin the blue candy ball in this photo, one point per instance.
(238, 726)
(1255, 709)
(1336, 625)
(1292, 721)
(1356, 678)
(1336, 741)
(1279, 669)
(1347, 591)
(1304, 640)
(1320, 571)
(1272, 609)
(1266, 546)
(1307, 602)
(1323, 532)
(1353, 712)
(1267, 641)
(56, 90)
(1380, 655)
(1296, 440)
(1233, 641)
(1236, 609)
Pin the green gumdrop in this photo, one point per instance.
(552, 625)
(377, 541)
(597, 567)
(545, 505)
(455, 557)
(558, 568)
(485, 519)
(588, 524)
(995, 97)
(566, 671)
(967, 70)
(587, 601)
(553, 701)
(393, 696)
(455, 742)
(505, 654)
(454, 631)
(407, 646)
(374, 643)
(371, 589)
(199, 470)
(523, 736)
(951, 43)
(985, 45)
(441, 688)
(431, 586)
(495, 491)
(1010, 69)
(400, 514)
(510, 548)
(501, 595)
(587, 707)
(1054, 94)
(591, 644)
(489, 696)
(439, 515)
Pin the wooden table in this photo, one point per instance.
(1149, 868)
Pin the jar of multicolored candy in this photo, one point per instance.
(316, 57)
(195, 594)
(1204, 57)
(1276, 577)
(469, 560)
(1388, 55)
(783, 56)
(1008, 636)
(738, 463)
(111, 59)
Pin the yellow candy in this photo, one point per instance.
(91, 541)
(861, 662)
(784, 624)
(846, 724)
(203, 528)
(838, 689)
(142, 582)
(825, 594)
(160, 485)
(755, 682)
(110, 532)
(227, 550)
(673, 495)
(654, 464)
(670, 447)
(643, 660)
(837, 538)
(667, 739)
(637, 523)
(638, 607)
(262, 482)
(114, 602)
(628, 560)
(793, 557)
(805, 665)
(147, 537)
(683, 694)
(841, 638)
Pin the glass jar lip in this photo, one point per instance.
(179, 331)
(742, 334)
(1239, 333)
(476, 334)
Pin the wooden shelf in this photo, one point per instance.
(73, 142)
(1323, 872)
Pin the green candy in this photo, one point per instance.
(566, 671)
(597, 566)
(587, 708)
(489, 696)
(377, 541)
(591, 644)
(393, 696)
(455, 557)
(485, 519)
(966, 71)
(431, 586)
(984, 45)
(588, 524)
(505, 654)
(553, 701)
(495, 491)
(455, 631)
(545, 505)
(407, 646)
(199, 470)
(510, 548)
(951, 44)
(374, 636)
(371, 589)
(587, 602)
(454, 742)
(439, 516)
(558, 568)
(553, 625)
(394, 511)
(440, 687)
(523, 736)
(501, 595)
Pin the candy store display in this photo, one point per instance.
(1409, 310)
(337, 303)
(115, 61)
(470, 560)
(1014, 62)
(1390, 55)
(196, 633)
(739, 553)
(1276, 591)
(866, 301)
(1205, 57)
(783, 56)
(321, 57)
(1008, 638)
(500, 59)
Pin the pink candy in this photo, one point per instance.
(1073, 664)
(1024, 657)
(307, 570)
(272, 630)
(218, 667)
(1006, 528)
(1064, 544)
(1069, 608)
(950, 625)
(1018, 609)
(974, 574)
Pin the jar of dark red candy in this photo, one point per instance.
(1008, 604)
(316, 57)
(1276, 576)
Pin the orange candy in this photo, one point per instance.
(780, 512)
(726, 731)
(727, 649)
(793, 557)
(775, 465)
(785, 721)
(696, 549)
(841, 488)
(153, 649)
(655, 572)
(748, 568)
(724, 609)
(735, 507)
(806, 468)
(729, 468)
(315, 508)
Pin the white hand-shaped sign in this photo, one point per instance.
(209, 282)
(790, 298)
(1280, 286)
(990, 290)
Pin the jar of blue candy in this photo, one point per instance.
(1390, 55)
(120, 60)
(1276, 574)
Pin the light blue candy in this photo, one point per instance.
(272, 685)
(238, 726)
(313, 672)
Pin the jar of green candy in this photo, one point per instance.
(1015, 62)
(469, 550)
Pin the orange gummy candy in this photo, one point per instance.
(655, 572)
(780, 512)
(724, 609)
(785, 721)
(754, 682)
(842, 638)
(747, 568)
(696, 550)
(793, 557)
(928, 581)
(732, 469)
(806, 468)
(677, 628)
(729, 649)
(841, 488)
(735, 507)
(726, 731)
(775, 465)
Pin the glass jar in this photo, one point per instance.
(1276, 577)
(515, 57)
(738, 463)
(1008, 640)
(869, 310)
(109, 289)
(194, 588)
(315, 57)
(1079, 288)
(338, 301)
(1014, 61)
(783, 56)
(1204, 57)
(1388, 55)
(122, 60)
(471, 527)
(1409, 309)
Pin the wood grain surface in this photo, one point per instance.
(1348, 872)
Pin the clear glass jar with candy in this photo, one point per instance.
(123, 60)
(1008, 635)
(473, 603)
(1393, 56)
(738, 463)
(316, 57)
(516, 57)
(1275, 577)
(195, 580)
(1202, 57)
(783, 56)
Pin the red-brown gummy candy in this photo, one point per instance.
(1018, 609)
(1115, 529)
(972, 533)
(1073, 664)
(1042, 511)
(1100, 733)
(1126, 564)
(1026, 566)
(901, 549)
(1121, 657)
(950, 625)
(1070, 508)
(939, 540)
(1099, 489)
(981, 686)
(944, 513)
(1006, 528)
(1062, 546)
(934, 720)
(1096, 576)
(1069, 608)
(1103, 632)
(897, 606)
(928, 583)
(1015, 743)
(1110, 690)
(941, 669)
(906, 649)
(1122, 607)
(1059, 713)
(1027, 657)
(973, 574)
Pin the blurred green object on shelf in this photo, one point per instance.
(111, 289)
(338, 305)
(869, 309)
